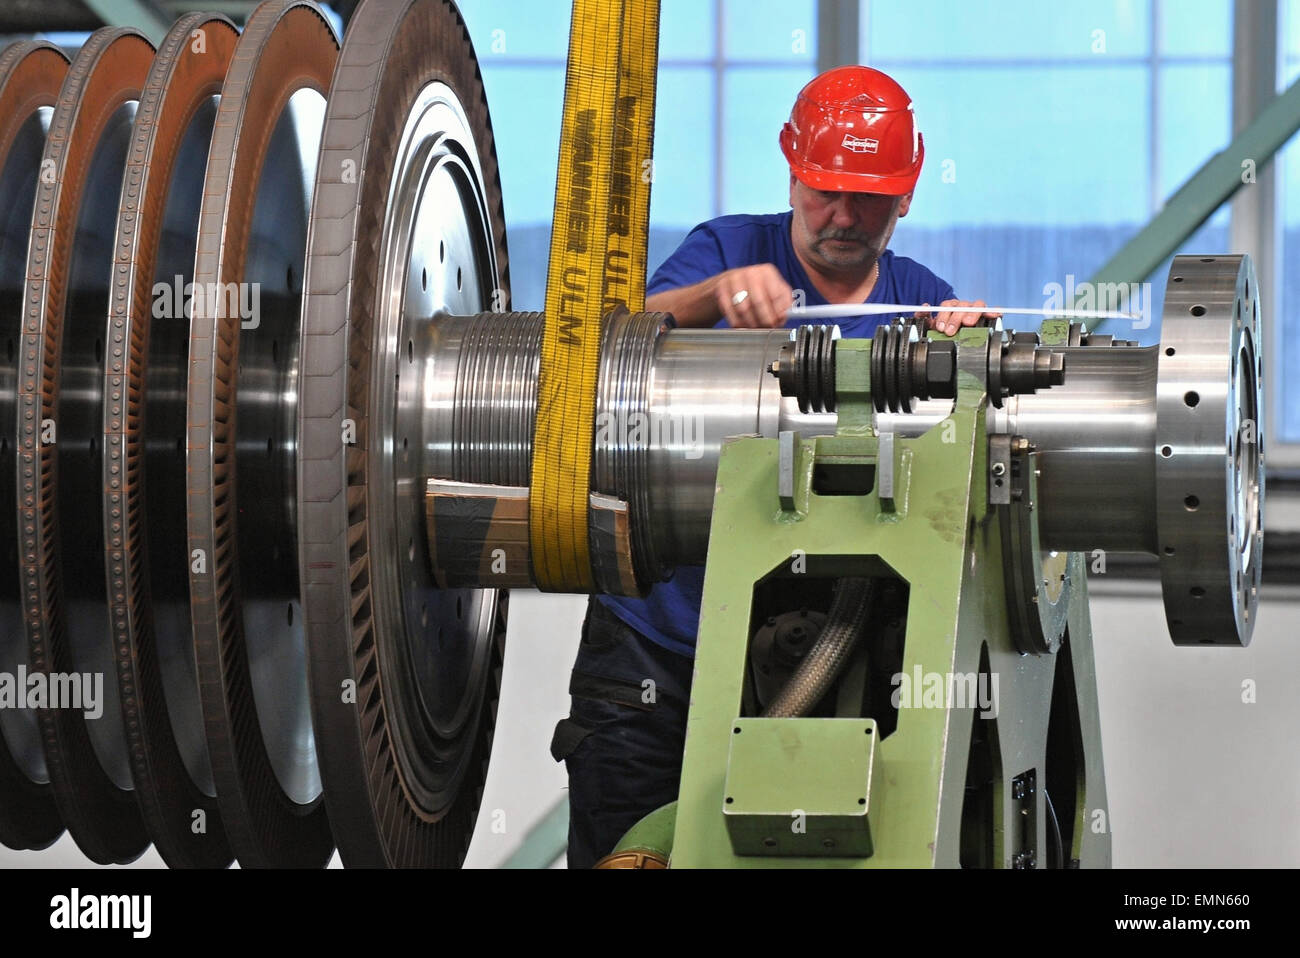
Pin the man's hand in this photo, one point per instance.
(767, 298)
(949, 322)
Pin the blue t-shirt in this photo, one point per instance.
(670, 614)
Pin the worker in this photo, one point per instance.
(855, 155)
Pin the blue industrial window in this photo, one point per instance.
(1053, 133)
(1285, 343)
(728, 74)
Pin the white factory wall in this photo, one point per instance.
(524, 782)
(1196, 776)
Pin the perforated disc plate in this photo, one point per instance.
(60, 385)
(242, 444)
(1209, 450)
(407, 222)
(30, 77)
(144, 465)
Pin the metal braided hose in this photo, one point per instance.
(829, 654)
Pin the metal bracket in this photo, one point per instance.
(999, 470)
(785, 469)
(1038, 583)
(885, 471)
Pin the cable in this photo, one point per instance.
(1056, 830)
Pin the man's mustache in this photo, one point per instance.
(842, 235)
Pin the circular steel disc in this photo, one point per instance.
(31, 74)
(1209, 450)
(407, 223)
(144, 432)
(60, 385)
(241, 448)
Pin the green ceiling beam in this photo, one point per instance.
(546, 841)
(1233, 168)
(141, 14)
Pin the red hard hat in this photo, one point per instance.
(852, 128)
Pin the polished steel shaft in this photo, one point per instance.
(696, 388)
(1095, 436)
(667, 403)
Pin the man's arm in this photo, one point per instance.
(694, 306)
(767, 298)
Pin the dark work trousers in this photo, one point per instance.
(622, 742)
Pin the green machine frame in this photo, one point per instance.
(960, 779)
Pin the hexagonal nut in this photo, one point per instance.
(940, 368)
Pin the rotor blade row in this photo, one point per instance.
(198, 254)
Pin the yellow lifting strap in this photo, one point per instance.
(598, 261)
